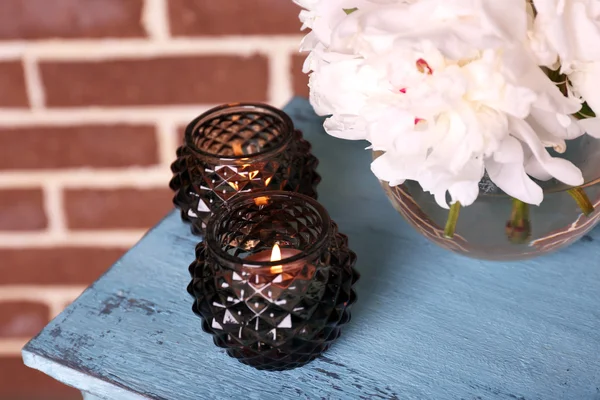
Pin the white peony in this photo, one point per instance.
(567, 33)
(321, 17)
(447, 89)
(570, 29)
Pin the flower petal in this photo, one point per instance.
(350, 127)
(591, 126)
(393, 169)
(510, 151)
(586, 81)
(534, 169)
(513, 180)
(440, 198)
(559, 168)
(466, 192)
(552, 129)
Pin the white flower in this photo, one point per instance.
(568, 31)
(458, 28)
(569, 28)
(322, 16)
(447, 89)
(585, 79)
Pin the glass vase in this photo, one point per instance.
(495, 228)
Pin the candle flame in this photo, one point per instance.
(268, 180)
(276, 256)
(276, 253)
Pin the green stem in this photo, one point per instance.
(583, 201)
(521, 210)
(518, 228)
(452, 219)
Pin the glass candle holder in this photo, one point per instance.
(272, 280)
(238, 148)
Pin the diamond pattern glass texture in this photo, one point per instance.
(239, 148)
(281, 314)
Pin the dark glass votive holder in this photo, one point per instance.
(239, 148)
(272, 280)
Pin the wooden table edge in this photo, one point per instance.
(90, 386)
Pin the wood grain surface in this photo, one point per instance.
(428, 324)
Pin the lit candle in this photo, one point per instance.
(234, 149)
(273, 295)
(293, 277)
(277, 254)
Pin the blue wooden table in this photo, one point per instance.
(428, 324)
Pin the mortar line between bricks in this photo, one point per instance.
(166, 136)
(110, 49)
(82, 115)
(33, 83)
(111, 115)
(127, 177)
(62, 292)
(88, 238)
(41, 293)
(53, 205)
(12, 347)
(155, 19)
(280, 77)
(56, 306)
(55, 297)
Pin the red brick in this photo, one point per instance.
(299, 79)
(241, 17)
(156, 81)
(22, 209)
(12, 85)
(18, 382)
(78, 146)
(57, 265)
(116, 209)
(39, 19)
(22, 319)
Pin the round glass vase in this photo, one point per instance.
(280, 314)
(495, 227)
(239, 148)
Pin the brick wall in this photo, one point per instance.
(93, 96)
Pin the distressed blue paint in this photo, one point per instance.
(428, 324)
